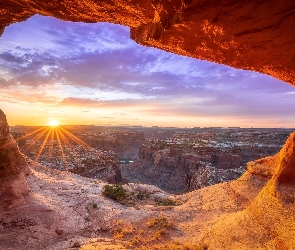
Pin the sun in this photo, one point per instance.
(53, 123)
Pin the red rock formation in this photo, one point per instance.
(178, 173)
(254, 35)
(280, 167)
(12, 165)
(105, 168)
(273, 207)
(286, 168)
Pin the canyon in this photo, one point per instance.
(175, 159)
(43, 208)
(56, 209)
(189, 159)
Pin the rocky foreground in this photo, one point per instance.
(43, 208)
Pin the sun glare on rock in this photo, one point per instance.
(53, 123)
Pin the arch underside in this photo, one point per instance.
(253, 35)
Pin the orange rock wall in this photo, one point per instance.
(254, 35)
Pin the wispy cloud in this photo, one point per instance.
(98, 66)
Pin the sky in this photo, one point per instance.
(80, 73)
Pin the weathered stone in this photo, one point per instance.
(280, 166)
(19, 224)
(77, 244)
(60, 231)
(4, 128)
(12, 165)
(286, 170)
(253, 35)
(6, 220)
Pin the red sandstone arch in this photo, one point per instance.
(257, 34)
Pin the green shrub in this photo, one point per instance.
(115, 192)
(94, 205)
(142, 195)
(160, 222)
(165, 202)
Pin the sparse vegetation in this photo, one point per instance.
(121, 232)
(165, 202)
(159, 233)
(118, 193)
(161, 222)
(185, 246)
(135, 241)
(142, 195)
(115, 192)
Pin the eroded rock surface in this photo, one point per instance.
(105, 167)
(13, 165)
(280, 167)
(254, 35)
(64, 210)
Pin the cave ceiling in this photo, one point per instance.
(253, 35)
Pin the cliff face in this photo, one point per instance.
(255, 211)
(179, 172)
(280, 167)
(104, 167)
(255, 35)
(270, 214)
(124, 143)
(12, 165)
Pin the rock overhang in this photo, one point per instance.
(252, 35)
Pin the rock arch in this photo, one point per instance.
(253, 35)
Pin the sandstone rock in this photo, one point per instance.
(60, 231)
(286, 160)
(253, 35)
(181, 172)
(19, 224)
(77, 244)
(4, 128)
(6, 220)
(280, 166)
(12, 165)
(107, 170)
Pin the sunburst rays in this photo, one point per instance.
(57, 141)
(57, 133)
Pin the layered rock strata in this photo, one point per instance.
(255, 211)
(105, 168)
(179, 172)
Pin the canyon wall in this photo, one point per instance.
(104, 167)
(253, 35)
(177, 172)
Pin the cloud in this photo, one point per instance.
(125, 103)
(97, 65)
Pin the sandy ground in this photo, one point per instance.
(60, 213)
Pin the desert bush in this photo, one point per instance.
(165, 202)
(115, 192)
(184, 246)
(161, 222)
(142, 195)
